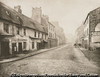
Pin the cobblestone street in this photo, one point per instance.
(65, 59)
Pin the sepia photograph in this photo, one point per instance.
(49, 37)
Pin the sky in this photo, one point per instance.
(70, 14)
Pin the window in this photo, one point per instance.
(32, 45)
(24, 31)
(24, 45)
(6, 28)
(18, 30)
(12, 29)
(7, 12)
(38, 34)
(42, 35)
(13, 46)
(35, 34)
(45, 36)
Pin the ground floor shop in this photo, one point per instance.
(52, 43)
(16, 44)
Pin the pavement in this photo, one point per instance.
(62, 60)
(20, 56)
(93, 56)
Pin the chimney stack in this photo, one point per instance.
(18, 9)
(36, 14)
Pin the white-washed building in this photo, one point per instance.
(18, 32)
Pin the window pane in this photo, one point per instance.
(35, 34)
(32, 45)
(24, 45)
(24, 31)
(6, 28)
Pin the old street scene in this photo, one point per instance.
(49, 37)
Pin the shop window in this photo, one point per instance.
(32, 45)
(6, 27)
(24, 45)
(14, 47)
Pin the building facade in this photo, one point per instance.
(47, 25)
(92, 30)
(59, 33)
(79, 33)
(18, 32)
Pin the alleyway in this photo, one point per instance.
(65, 59)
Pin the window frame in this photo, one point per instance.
(24, 31)
(6, 27)
(24, 45)
(32, 45)
(38, 34)
(35, 34)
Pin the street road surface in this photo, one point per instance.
(63, 60)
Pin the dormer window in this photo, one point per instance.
(7, 12)
(17, 17)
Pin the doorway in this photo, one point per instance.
(19, 47)
(5, 48)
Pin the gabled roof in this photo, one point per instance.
(13, 16)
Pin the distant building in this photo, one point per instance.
(79, 33)
(59, 33)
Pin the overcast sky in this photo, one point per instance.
(69, 13)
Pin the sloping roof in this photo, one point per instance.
(11, 15)
(45, 24)
(8, 14)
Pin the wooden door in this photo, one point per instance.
(5, 48)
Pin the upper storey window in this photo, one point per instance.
(7, 13)
(6, 27)
(24, 31)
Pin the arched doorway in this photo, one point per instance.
(97, 28)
